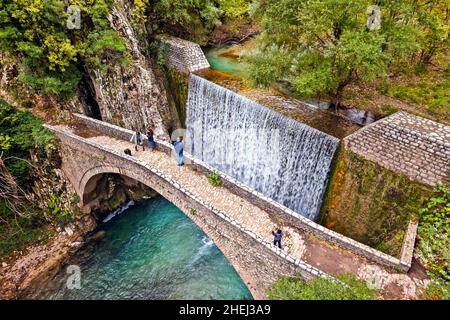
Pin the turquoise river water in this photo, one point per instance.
(151, 250)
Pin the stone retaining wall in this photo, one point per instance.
(183, 55)
(290, 217)
(406, 255)
(408, 145)
(257, 261)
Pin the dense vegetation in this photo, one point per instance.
(346, 288)
(21, 138)
(434, 241)
(51, 56)
(193, 19)
(20, 134)
(323, 46)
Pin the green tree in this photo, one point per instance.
(51, 56)
(433, 18)
(21, 134)
(322, 46)
(187, 18)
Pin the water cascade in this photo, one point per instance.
(283, 159)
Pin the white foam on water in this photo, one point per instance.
(119, 211)
(283, 159)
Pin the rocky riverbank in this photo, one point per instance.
(25, 269)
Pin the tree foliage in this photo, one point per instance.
(434, 234)
(188, 18)
(234, 9)
(193, 19)
(21, 133)
(322, 46)
(51, 55)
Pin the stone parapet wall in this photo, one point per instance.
(257, 260)
(406, 255)
(287, 215)
(183, 56)
(408, 145)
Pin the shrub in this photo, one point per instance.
(388, 109)
(22, 134)
(57, 212)
(437, 291)
(215, 179)
(434, 234)
(346, 288)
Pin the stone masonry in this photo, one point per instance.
(408, 145)
(258, 262)
(236, 218)
(183, 56)
(286, 215)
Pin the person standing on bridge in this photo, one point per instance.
(137, 140)
(277, 235)
(150, 139)
(179, 146)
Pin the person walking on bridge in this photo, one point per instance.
(150, 140)
(179, 146)
(137, 139)
(277, 235)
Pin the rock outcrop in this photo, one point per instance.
(133, 96)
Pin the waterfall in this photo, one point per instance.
(283, 159)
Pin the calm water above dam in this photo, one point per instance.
(150, 251)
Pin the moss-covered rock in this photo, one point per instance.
(178, 88)
(371, 204)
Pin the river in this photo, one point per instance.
(151, 250)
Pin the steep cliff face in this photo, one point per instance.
(46, 106)
(133, 96)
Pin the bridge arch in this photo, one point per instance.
(88, 179)
(254, 258)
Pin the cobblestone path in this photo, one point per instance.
(328, 258)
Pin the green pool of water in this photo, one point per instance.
(219, 60)
(151, 251)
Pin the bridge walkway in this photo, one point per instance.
(308, 248)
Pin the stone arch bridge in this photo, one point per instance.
(237, 219)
